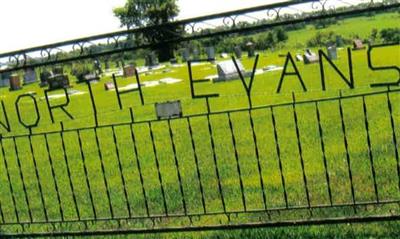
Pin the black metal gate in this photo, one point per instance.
(300, 162)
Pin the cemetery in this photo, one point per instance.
(224, 137)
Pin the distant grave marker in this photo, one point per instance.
(15, 82)
(210, 51)
(168, 110)
(5, 79)
(59, 81)
(310, 57)
(250, 49)
(358, 44)
(29, 76)
(129, 71)
(299, 57)
(332, 52)
(227, 70)
(238, 52)
(44, 78)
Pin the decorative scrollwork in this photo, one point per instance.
(274, 13)
(230, 21)
(193, 28)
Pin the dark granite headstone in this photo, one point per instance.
(5, 79)
(59, 81)
(173, 61)
(97, 66)
(210, 51)
(44, 78)
(29, 76)
(238, 52)
(250, 49)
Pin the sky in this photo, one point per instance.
(29, 23)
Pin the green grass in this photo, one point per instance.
(232, 96)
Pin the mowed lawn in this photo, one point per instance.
(240, 191)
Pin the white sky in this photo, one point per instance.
(28, 23)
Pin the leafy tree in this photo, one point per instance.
(140, 13)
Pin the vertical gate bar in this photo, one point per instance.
(23, 180)
(9, 180)
(37, 176)
(370, 154)
(237, 162)
(1, 213)
(171, 135)
(196, 160)
(158, 168)
(300, 148)
(210, 131)
(135, 150)
(86, 174)
(121, 172)
(258, 160)
(392, 123)
(71, 185)
(53, 174)
(321, 137)
(346, 145)
(278, 152)
(103, 171)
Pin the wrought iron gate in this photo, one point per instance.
(259, 166)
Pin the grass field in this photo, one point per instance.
(238, 189)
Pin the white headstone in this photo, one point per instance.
(169, 110)
(227, 70)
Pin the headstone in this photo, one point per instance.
(250, 49)
(58, 70)
(15, 82)
(173, 61)
(227, 70)
(168, 110)
(299, 57)
(129, 71)
(151, 60)
(238, 52)
(186, 54)
(59, 81)
(332, 52)
(224, 55)
(109, 86)
(210, 51)
(358, 44)
(310, 57)
(44, 78)
(29, 76)
(196, 54)
(5, 79)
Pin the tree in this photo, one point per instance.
(140, 13)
